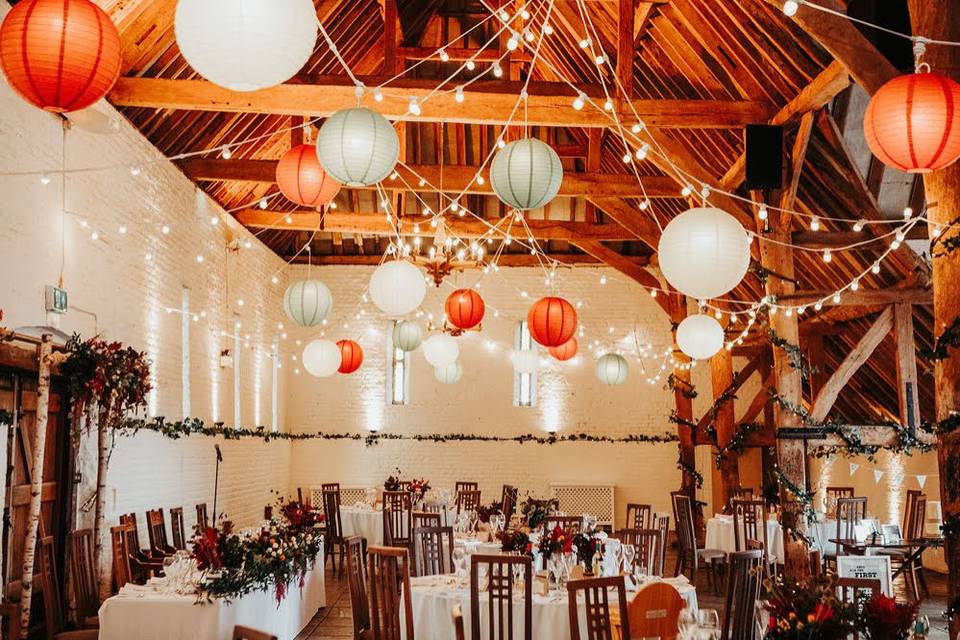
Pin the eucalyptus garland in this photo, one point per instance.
(195, 426)
(677, 419)
(950, 338)
(6, 418)
(794, 353)
(685, 387)
(691, 471)
(737, 442)
(804, 499)
(943, 427)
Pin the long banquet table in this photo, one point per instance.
(720, 535)
(150, 615)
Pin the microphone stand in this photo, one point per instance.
(216, 481)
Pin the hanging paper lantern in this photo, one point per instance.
(525, 360)
(448, 374)
(612, 369)
(307, 302)
(302, 180)
(358, 147)
(700, 336)
(351, 356)
(441, 350)
(704, 252)
(245, 45)
(912, 123)
(526, 174)
(552, 321)
(407, 335)
(565, 351)
(60, 55)
(464, 308)
(397, 288)
(321, 358)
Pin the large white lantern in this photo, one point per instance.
(307, 302)
(526, 174)
(612, 369)
(358, 147)
(245, 45)
(441, 350)
(704, 252)
(407, 335)
(321, 358)
(397, 287)
(525, 360)
(700, 336)
(448, 374)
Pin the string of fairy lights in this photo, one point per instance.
(486, 250)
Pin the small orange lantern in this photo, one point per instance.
(465, 308)
(351, 356)
(565, 351)
(552, 321)
(302, 180)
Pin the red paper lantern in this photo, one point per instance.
(60, 55)
(465, 308)
(302, 180)
(351, 356)
(565, 351)
(913, 122)
(552, 321)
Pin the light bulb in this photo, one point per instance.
(165, 229)
(134, 171)
(642, 151)
(497, 70)
(94, 236)
(895, 245)
(603, 279)
(854, 285)
(123, 229)
(818, 306)
(936, 231)
(414, 107)
(444, 56)
(790, 7)
(470, 65)
(44, 179)
(686, 191)
(858, 225)
(263, 203)
(458, 95)
(525, 14)
(247, 244)
(600, 59)
(907, 213)
(480, 179)
(288, 219)
(199, 259)
(875, 268)
(815, 224)
(501, 144)
(626, 158)
(513, 43)
(579, 101)
(585, 43)
(762, 212)
(378, 95)
(214, 220)
(226, 154)
(547, 29)
(644, 204)
(608, 105)
(836, 298)
(827, 256)
(528, 35)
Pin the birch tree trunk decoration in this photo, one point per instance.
(103, 457)
(36, 485)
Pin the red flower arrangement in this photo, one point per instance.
(515, 541)
(807, 612)
(557, 541)
(884, 618)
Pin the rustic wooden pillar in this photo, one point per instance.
(684, 403)
(721, 375)
(906, 366)
(937, 19)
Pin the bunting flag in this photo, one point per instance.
(853, 467)
(877, 474)
(921, 480)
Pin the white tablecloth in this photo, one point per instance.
(433, 598)
(153, 616)
(364, 522)
(720, 535)
(822, 532)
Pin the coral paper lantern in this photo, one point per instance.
(302, 180)
(60, 55)
(552, 321)
(465, 308)
(351, 356)
(913, 122)
(565, 351)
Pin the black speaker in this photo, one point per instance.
(764, 156)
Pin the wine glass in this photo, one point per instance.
(459, 561)
(708, 620)
(687, 624)
(629, 555)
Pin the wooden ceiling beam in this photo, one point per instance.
(504, 260)
(834, 239)
(625, 266)
(376, 224)
(454, 178)
(487, 102)
(862, 297)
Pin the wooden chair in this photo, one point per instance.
(854, 591)
(850, 511)
(334, 529)
(740, 493)
(140, 569)
(653, 613)
(508, 501)
(157, 533)
(463, 485)
(689, 556)
(646, 543)
(431, 554)
(397, 518)
(10, 611)
(137, 551)
(246, 633)
(500, 587)
(833, 494)
(356, 580)
(202, 520)
(425, 519)
(750, 524)
(745, 576)
(596, 596)
(176, 528)
(457, 616)
(326, 486)
(639, 516)
(467, 500)
(49, 588)
(84, 576)
(914, 523)
(570, 524)
(663, 525)
(388, 567)
(122, 573)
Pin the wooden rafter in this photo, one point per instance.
(862, 297)
(625, 266)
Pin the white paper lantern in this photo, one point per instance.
(449, 374)
(526, 174)
(525, 360)
(700, 336)
(397, 288)
(441, 350)
(407, 335)
(321, 358)
(245, 45)
(704, 252)
(612, 369)
(307, 302)
(358, 147)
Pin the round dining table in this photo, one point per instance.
(364, 521)
(720, 534)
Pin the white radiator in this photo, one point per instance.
(593, 499)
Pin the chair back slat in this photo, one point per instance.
(389, 575)
(500, 585)
(663, 525)
(745, 575)
(639, 516)
(646, 544)
(50, 587)
(655, 611)
(466, 485)
(122, 573)
(397, 518)
(331, 510)
(176, 528)
(683, 522)
(157, 532)
(570, 524)
(356, 581)
(508, 501)
(832, 495)
(426, 519)
(432, 550)
(467, 500)
(596, 600)
(84, 577)
(202, 520)
(850, 512)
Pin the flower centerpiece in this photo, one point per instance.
(808, 611)
(392, 483)
(556, 541)
(515, 541)
(418, 489)
(534, 510)
(485, 511)
(586, 543)
(883, 618)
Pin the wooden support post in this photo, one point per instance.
(721, 374)
(391, 37)
(36, 484)
(937, 19)
(594, 156)
(625, 46)
(686, 447)
(906, 366)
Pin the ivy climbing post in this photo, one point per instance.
(683, 393)
(721, 375)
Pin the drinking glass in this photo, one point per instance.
(708, 620)
(687, 624)
(459, 561)
(629, 555)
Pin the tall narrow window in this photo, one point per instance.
(524, 382)
(275, 385)
(236, 372)
(185, 351)
(398, 372)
